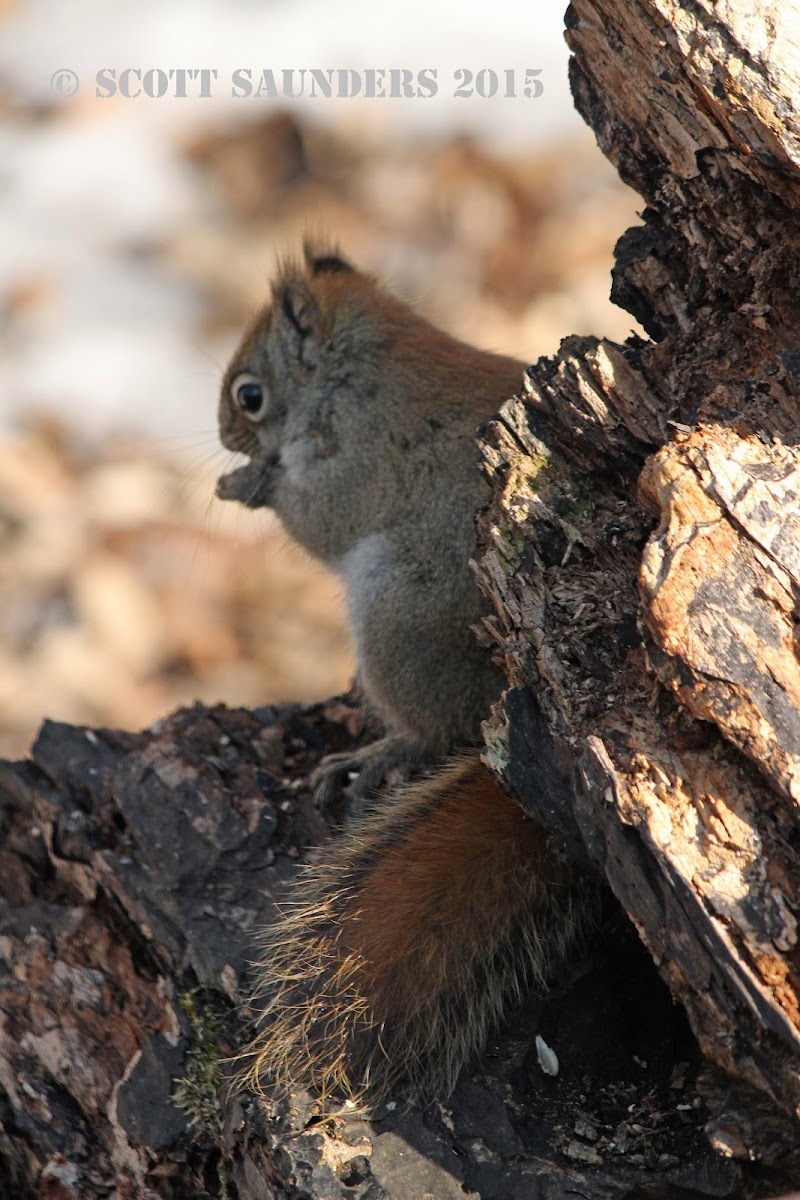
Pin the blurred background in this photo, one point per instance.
(138, 234)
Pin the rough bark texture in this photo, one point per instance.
(655, 670)
(134, 870)
(642, 556)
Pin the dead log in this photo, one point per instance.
(133, 871)
(655, 670)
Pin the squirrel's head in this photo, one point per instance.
(286, 346)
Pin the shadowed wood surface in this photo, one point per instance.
(134, 870)
(650, 630)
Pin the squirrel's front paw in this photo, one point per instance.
(251, 484)
(332, 779)
(354, 776)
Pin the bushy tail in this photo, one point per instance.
(399, 954)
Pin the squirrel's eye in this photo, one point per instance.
(248, 394)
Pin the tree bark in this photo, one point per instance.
(655, 669)
(134, 874)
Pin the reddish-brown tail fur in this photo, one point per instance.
(401, 952)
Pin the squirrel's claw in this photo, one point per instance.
(332, 781)
(355, 775)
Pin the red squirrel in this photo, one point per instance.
(440, 903)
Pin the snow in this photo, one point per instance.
(111, 339)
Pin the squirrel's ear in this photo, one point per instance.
(297, 320)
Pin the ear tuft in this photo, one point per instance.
(296, 319)
(327, 261)
(298, 306)
(329, 264)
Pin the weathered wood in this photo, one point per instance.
(655, 709)
(133, 871)
(720, 579)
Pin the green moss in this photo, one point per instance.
(199, 1093)
(534, 464)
